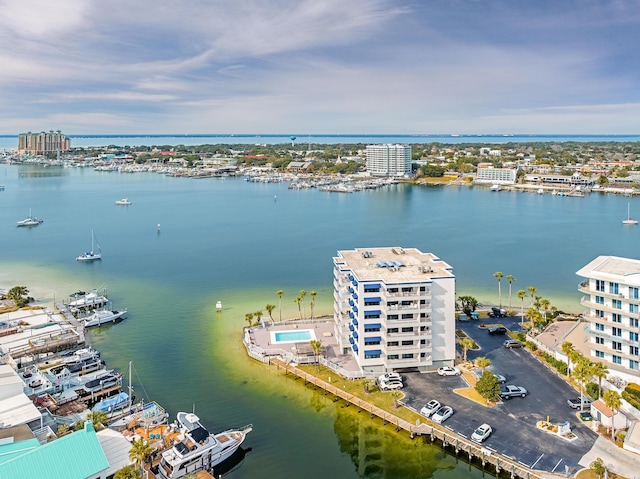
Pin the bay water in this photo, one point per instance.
(185, 244)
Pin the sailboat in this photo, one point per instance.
(30, 221)
(629, 220)
(91, 255)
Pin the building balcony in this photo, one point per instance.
(403, 307)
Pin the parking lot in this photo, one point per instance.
(513, 421)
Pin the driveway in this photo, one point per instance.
(514, 421)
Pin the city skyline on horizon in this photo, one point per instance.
(285, 66)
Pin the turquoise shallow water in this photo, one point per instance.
(230, 240)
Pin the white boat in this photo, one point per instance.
(91, 255)
(540, 191)
(123, 201)
(30, 221)
(89, 300)
(496, 187)
(103, 316)
(195, 448)
(629, 220)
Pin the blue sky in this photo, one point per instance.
(320, 66)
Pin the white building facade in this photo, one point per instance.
(389, 160)
(612, 288)
(502, 176)
(394, 309)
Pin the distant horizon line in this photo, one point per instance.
(335, 135)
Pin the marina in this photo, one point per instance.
(165, 282)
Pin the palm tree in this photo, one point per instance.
(258, 316)
(511, 279)
(499, 275)
(280, 293)
(98, 419)
(569, 350)
(612, 400)
(600, 371)
(545, 304)
(298, 301)
(127, 472)
(313, 295)
(521, 295)
(303, 293)
(140, 451)
(270, 308)
(396, 395)
(466, 344)
(483, 363)
(249, 318)
(532, 290)
(317, 349)
(582, 373)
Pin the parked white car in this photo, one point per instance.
(429, 408)
(483, 432)
(448, 371)
(390, 376)
(390, 384)
(442, 414)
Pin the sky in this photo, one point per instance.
(320, 66)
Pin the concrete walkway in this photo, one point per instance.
(615, 458)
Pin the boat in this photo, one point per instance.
(496, 187)
(123, 201)
(91, 255)
(88, 301)
(113, 403)
(629, 220)
(540, 191)
(30, 221)
(195, 448)
(103, 316)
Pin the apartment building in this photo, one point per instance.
(394, 308)
(612, 288)
(40, 143)
(389, 160)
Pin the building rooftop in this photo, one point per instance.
(394, 264)
(612, 268)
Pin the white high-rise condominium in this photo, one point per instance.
(612, 288)
(394, 308)
(389, 160)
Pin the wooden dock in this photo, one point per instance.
(449, 440)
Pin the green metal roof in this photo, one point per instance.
(75, 456)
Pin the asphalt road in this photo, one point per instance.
(514, 421)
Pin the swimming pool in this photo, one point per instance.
(292, 336)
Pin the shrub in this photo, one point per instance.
(521, 336)
(531, 345)
(592, 390)
(560, 366)
(631, 394)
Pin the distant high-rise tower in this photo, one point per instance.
(389, 160)
(39, 143)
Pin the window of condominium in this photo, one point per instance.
(613, 288)
(617, 345)
(407, 316)
(616, 359)
(633, 364)
(424, 329)
(599, 313)
(634, 293)
(423, 289)
(599, 354)
(633, 308)
(392, 343)
(393, 356)
(392, 316)
(616, 318)
(407, 330)
(633, 336)
(371, 355)
(616, 331)
(407, 356)
(392, 290)
(407, 343)
(633, 322)
(392, 330)
(599, 327)
(616, 304)
(600, 285)
(633, 350)
(599, 340)
(599, 299)
(407, 290)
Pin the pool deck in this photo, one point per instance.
(323, 328)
